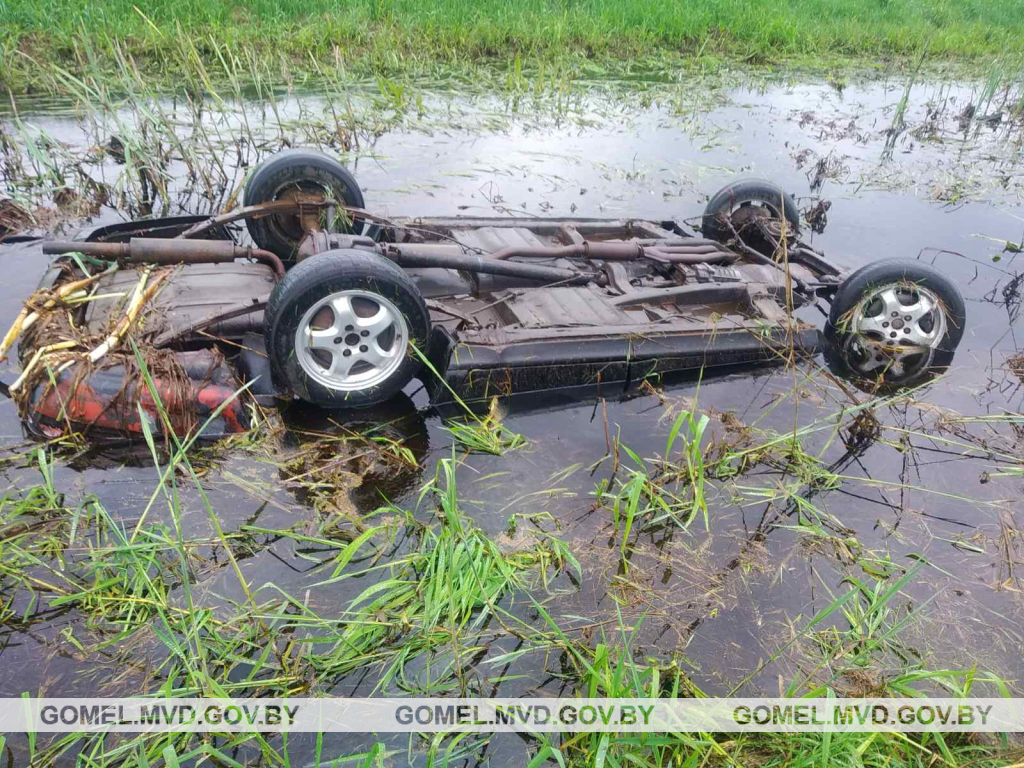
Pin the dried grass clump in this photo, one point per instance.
(58, 352)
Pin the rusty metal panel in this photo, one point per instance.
(492, 239)
(562, 307)
(476, 371)
(192, 296)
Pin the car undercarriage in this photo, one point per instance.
(329, 303)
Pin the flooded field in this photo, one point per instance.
(244, 566)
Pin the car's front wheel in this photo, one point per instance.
(341, 326)
(894, 324)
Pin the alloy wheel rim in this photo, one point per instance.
(351, 340)
(895, 329)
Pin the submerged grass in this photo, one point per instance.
(866, 621)
(388, 36)
(436, 597)
(672, 493)
(474, 433)
(440, 596)
(422, 616)
(485, 435)
(426, 613)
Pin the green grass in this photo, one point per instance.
(611, 669)
(423, 614)
(431, 609)
(484, 435)
(400, 35)
(472, 432)
(672, 493)
(427, 610)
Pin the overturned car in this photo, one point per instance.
(336, 306)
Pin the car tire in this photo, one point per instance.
(284, 173)
(884, 310)
(743, 193)
(341, 326)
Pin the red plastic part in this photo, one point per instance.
(109, 400)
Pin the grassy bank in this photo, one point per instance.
(402, 35)
(436, 609)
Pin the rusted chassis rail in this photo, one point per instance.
(143, 250)
(447, 262)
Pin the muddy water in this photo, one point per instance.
(716, 600)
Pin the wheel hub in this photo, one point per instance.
(760, 218)
(351, 340)
(748, 214)
(296, 225)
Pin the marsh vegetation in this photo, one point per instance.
(404, 36)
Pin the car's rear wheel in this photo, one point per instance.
(299, 175)
(746, 204)
(894, 324)
(341, 327)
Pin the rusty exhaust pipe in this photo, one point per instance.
(420, 256)
(676, 252)
(153, 250)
